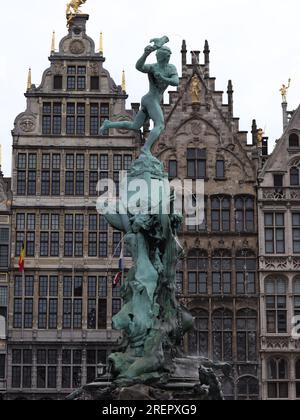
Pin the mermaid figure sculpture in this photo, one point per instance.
(161, 76)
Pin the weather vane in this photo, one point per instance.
(284, 90)
(73, 9)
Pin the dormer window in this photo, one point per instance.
(294, 140)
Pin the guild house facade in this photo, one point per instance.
(5, 233)
(60, 310)
(279, 264)
(217, 279)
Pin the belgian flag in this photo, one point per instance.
(22, 259)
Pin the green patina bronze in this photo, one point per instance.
(161, 76)
(152, 320)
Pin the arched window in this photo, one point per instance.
(278, 385)
(198, 339)
(294, 177)
(246, 267)
(276, 305)
(294, 140)
(222, 335)
(197, 272)
(244, 214)
(221, 214)
(297, 371)
(221, 267)
(248, 389)
(247, 335)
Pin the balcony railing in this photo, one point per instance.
(279, 194)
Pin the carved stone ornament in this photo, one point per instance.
(276, 343)
(58, 68)
(94, 69)
(27, 125)
(196, 128)
(77, 47)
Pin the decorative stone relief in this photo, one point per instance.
(77, 47)
(94, 69)
(58, 68)
(274, 195)
(280, 263)
(27, 125)
(277, 343)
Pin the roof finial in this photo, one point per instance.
(29, 79)
(123, 82)
(101, 51)
(53, 43)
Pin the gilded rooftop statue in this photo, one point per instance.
(73, 8)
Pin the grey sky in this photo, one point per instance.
(253, 42)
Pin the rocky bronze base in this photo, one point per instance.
(195, 379)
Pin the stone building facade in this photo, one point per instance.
(5, 234)
(218, 279)
(60, 311)
(279, 264)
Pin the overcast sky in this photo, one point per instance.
(253, 42)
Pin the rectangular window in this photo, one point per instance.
(220, 169)
(95, 83)
(274, 233)
(2, 366)
(94, 120)
(278, 181)
(71, 83)
(103, 246)
(57, 82)
(46, 118)
(172, 169)
(296, 233)
(196, 163)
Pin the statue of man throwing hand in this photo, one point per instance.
(161, 76)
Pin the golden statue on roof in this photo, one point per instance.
(73, 8)
(195, 90)
(284, 91)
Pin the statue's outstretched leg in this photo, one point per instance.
(156, 114)
(135, 125)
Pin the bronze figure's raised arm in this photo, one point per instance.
(161, 75)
